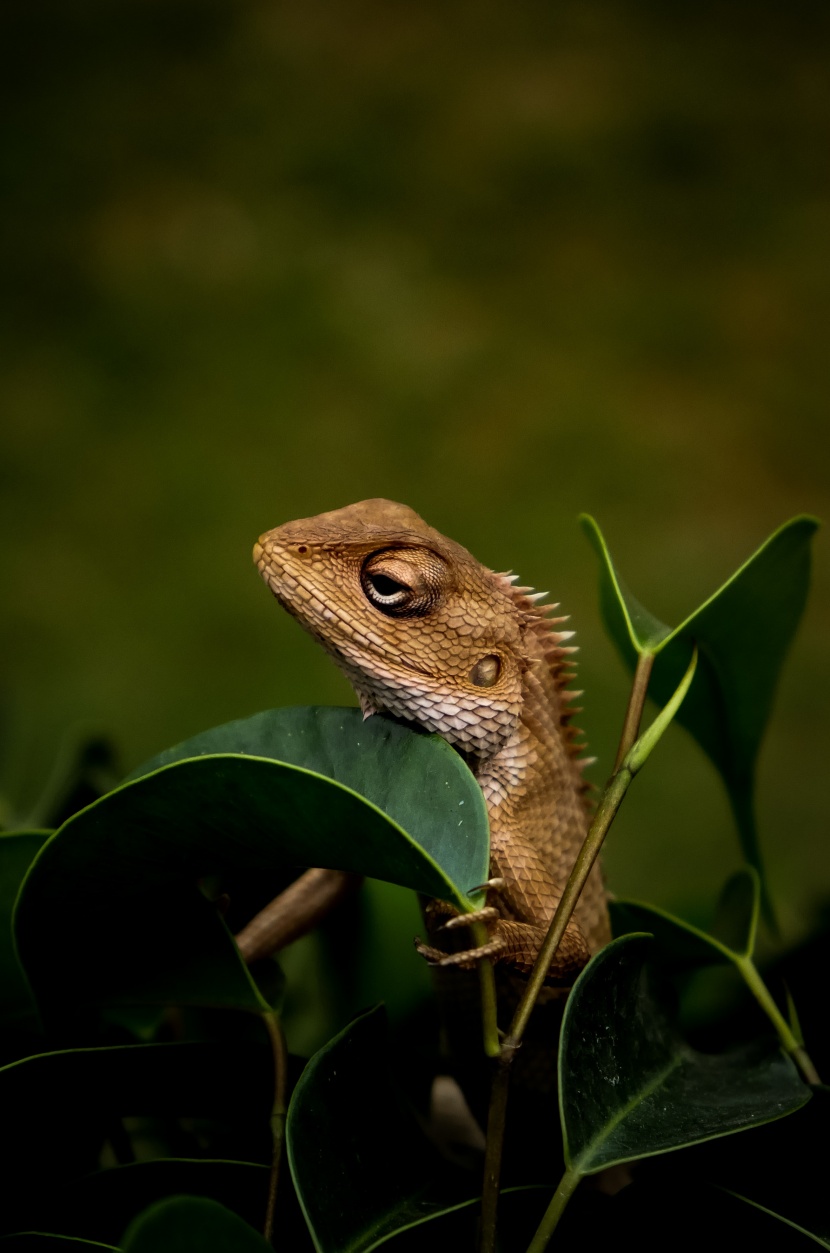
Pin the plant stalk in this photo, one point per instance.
(633, 757)
(280, 1055)
(567, 1186)
(789, 1043)
(634, 709)
(487, 987)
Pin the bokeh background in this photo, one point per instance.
(502, 262)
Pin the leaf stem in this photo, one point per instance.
(487, 986)
(610, 801)
(789, 1042)
(634, 709)
(280, 1055)
(567, 1186)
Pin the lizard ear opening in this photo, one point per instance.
(402, 583)
(486, 671)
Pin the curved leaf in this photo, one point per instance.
(631, 1087)
(103, 1204)
(118, 881)
(48, 1242)
(347, 1125)
(734, 929)
(17, 851)
(743, 632)
(189, 1224)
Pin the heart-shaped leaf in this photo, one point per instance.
(118, 881)
(347, 1125)
(743, 632)
(631, 1087)
(190, 1224)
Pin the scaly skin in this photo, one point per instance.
(427, 634)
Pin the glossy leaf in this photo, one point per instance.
(118, 881)
(630, 1087)
(743, 632)
(347, 1125)
(17, 851)
(189, 1224)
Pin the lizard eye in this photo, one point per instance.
(400, 583)
(485, 673)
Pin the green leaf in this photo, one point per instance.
(733, 933)
(103, 1204)
(632, 628)
(48, 1242)
(347, 1125)
(118, 881)
(17, 850)
(189, 1224)
(630, 1087)
(743, 632)
(227, 1085)
(782, 1167)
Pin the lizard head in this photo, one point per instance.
(420, 628)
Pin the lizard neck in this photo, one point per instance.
(534, 788)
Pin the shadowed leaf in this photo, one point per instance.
(631, 1087)
(347, 1124)
(189, 1224)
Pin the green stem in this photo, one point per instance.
(280, 1056)
(789, 1042)
(567, 1186)
(632, 760)
(487, 986)
(634, 710)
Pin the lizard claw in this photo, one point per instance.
(470, 958)
(485, 887)
(488, 914)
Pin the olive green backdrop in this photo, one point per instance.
(503, 262)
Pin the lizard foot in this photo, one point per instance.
(488, 914)
(467, 960)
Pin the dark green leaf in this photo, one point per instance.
(733, 931)
(632, 628)
(48, 1242)
(699, 1216)
(631, 1087)
(118, 881)
(743, 633)
(102, 1205)
(347, 1125)
(417, 780)
(85, 769)
(189, 1224)
(17, 850)
(783, 1166)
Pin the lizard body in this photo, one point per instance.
(426, 633)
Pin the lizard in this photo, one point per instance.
(427, 634)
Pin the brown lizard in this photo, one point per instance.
(427, 634)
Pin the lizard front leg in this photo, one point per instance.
(521, 902)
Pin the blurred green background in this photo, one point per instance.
(502, 262)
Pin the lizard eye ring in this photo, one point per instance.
(402, 583)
